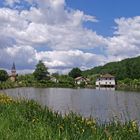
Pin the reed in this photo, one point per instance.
(26, 120)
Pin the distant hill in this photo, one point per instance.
(127, 68)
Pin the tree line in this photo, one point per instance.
(127, 68)
(40, 78)
(127, 73)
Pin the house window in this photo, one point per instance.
(110, 83)
(106, 83)
(110, 78)
(105, 78)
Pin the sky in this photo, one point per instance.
(67, 33)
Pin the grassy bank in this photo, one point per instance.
(26, 120)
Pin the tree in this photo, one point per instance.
(75, 72)
(55, 74)
(3, 75)
(41, 71)
(127, 68)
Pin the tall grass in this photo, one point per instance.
(26, 120)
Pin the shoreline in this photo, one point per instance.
(76, 87)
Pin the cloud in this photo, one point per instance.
(52, 25)
(69, 59)
(51, 31)
(24, 56)
(125, 42)
(61, 31)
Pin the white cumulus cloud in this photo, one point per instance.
(125, 42)
(51, 31)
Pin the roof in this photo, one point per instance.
(107, 76)
(78, 78)
(13, 67)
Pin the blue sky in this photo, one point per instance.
(67, 33)
(106, 11)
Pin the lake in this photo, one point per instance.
(102, 104)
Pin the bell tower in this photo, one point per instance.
(13, 75)
(13, 70)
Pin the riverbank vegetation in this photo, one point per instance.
(126, 72)
(41, 78)
(129, 84)
(65, 81)
(26, 120)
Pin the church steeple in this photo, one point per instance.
(13, 70)
(13, 67)
(13, 75)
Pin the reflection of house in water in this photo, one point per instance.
(13, 75)
(105, 88)
(106, 80)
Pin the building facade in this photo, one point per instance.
(80, 80)
(106, 80)
(54, 79)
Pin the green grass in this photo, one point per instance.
(26, 120)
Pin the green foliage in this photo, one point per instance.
(129, 84)
(41, 71)
(26, 80)
(92, 79)
(127, 81)
(3, 75)
(56, 75)
(128, 68)
(26, 120)
(82, 84)
(26, 77)
(7, 84)
(75, 72)
(66, 81)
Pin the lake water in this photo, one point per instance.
(103, 104)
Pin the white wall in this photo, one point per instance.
(80, 81)
(105, 81)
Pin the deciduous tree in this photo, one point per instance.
(75, 72)
(41, 71)
(3, 75)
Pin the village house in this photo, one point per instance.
(106, 80)
(54, 79)
(13, 75)
(80, 80)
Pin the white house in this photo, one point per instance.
(80, 80)
(106, 80)
(54, 79)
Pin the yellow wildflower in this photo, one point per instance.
(33, 120)
(134, 125)
(5, 99)
(110, 138)
(83, 130)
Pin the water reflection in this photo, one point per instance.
(105, 88)
(98, 103)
